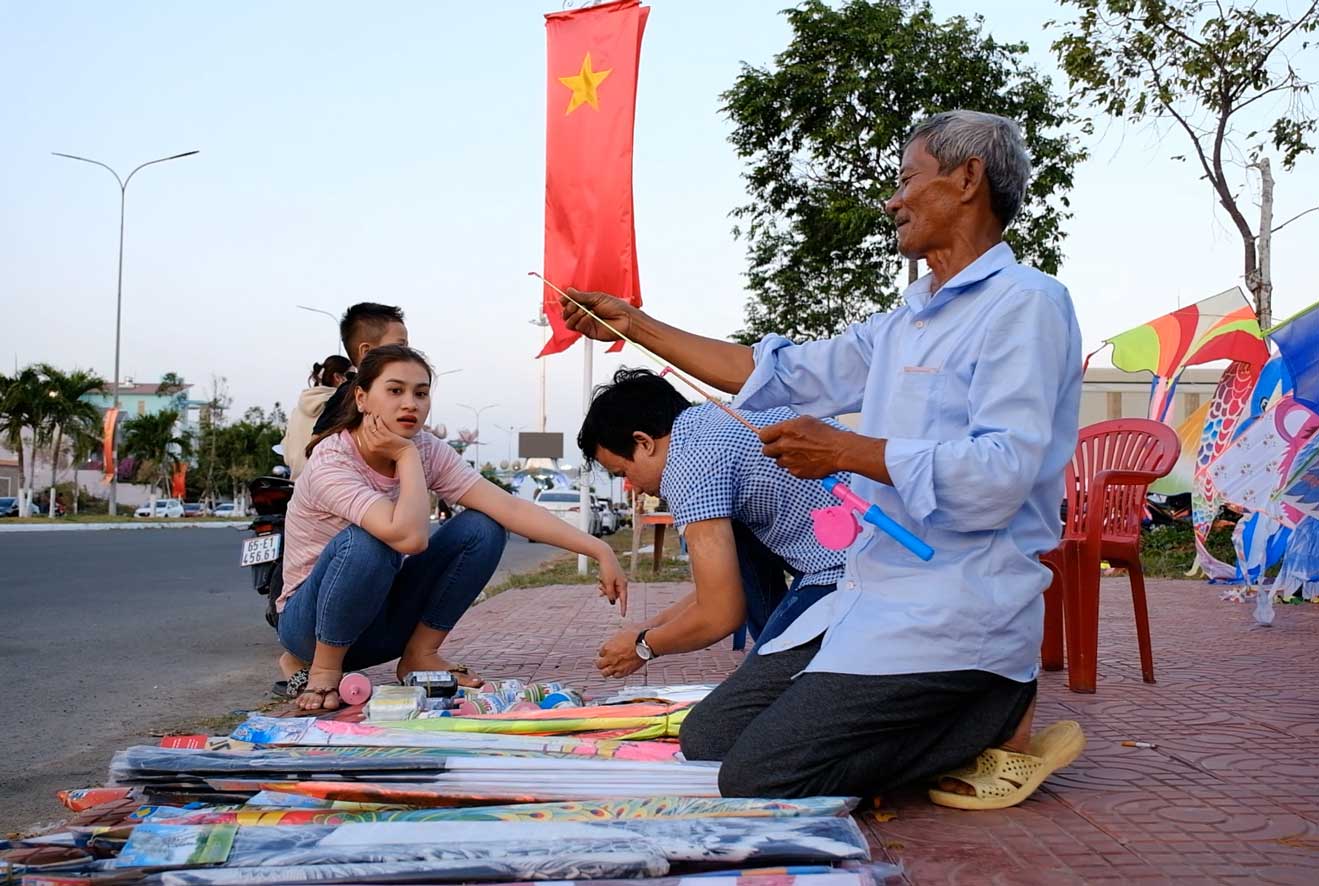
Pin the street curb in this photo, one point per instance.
(149, 524)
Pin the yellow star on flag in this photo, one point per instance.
(583, 86)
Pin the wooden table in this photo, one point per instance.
(661, 520)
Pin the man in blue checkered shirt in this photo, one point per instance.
(746, 521)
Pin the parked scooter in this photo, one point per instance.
(263, 553)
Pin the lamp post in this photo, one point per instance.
(510, 430)
(544, 323)
(338, 345)
(119, 301)
(477, 413)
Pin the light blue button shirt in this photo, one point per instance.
(976, 388)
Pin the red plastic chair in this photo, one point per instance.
(1114, 463)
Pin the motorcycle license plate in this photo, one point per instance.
(262, 549)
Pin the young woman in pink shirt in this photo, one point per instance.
(366, 580)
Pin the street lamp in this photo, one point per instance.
(510, 430)
(118, 307)
(338, 345)
(477, 413)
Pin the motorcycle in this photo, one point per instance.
(263, 553)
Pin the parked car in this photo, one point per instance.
(608, 517)
(165, 507)
(225, 509)
(566, 504)
(194, 509)
(8, 506)
(624, 511)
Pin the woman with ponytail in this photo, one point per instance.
(366, 580)
(326, 378)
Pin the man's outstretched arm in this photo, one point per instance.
(721, 364)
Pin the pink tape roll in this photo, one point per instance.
(355, 688)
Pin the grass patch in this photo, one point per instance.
(562, 570)
(1169, 551)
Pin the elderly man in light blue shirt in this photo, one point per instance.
(968, 394)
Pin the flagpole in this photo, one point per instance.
(583, 476)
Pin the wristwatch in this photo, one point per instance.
(644, 652)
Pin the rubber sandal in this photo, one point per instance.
(292, 687)
(1004, 778)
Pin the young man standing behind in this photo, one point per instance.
(363, 328)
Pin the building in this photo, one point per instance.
(8, 473)
(1108, 393)
(150, 399)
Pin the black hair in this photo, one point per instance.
(636, 400)
(366, 321)
(348, 416)
(335, 364)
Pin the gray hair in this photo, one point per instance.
(954, 137)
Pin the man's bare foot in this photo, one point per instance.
(433, 662)
(290, 664)
(322, 692)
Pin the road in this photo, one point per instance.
(109, 636)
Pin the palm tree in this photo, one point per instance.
(153, 441)
(21, 409)
(66, 413)
(84, 442)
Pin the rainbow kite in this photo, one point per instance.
(1222, 327)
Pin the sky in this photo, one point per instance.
(395, 153)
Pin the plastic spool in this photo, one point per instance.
(355, 688)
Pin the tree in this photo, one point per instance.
(83, 443)
(1222, 75)
(66, 413)
(158, 447)
(23, 405)
(211, 422)
(231, 456)
(823, 128)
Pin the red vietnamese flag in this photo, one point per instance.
(590, 238)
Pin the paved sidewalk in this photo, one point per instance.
(1231, 793)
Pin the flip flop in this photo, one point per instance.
(292, 687)
(1004, 778)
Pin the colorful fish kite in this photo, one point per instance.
(1230, 406)
(1222, 327)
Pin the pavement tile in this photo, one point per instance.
(1228, 795)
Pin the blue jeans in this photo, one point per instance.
(771, 603)
(365, 595)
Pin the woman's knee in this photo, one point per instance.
(364, 551)
(479, 532)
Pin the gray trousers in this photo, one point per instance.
(842, 734)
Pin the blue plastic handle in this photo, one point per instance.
(875, 517)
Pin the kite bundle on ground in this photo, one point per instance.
(520, 797)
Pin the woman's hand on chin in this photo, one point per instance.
(375, 438)
(613, 583)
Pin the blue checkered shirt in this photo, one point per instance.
(716, 470)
